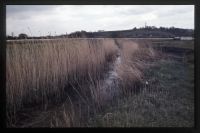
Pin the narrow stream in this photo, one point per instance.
(108, 88)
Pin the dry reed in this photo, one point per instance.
(44, 71)
(134, 55)
(38, 72)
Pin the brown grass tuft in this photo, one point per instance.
(134, 55)
(38, 72)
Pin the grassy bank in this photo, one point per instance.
(166, 98)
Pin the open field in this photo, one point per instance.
(100, 82)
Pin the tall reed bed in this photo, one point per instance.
(42, 72)
(38, 72)
(134, 56)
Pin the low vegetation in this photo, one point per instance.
(96, 82)
(166, 101)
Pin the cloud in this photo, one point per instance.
(15, 9)
(46, 19)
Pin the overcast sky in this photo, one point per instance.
(59, 19)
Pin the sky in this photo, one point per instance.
(40, 20)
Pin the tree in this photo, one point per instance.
(23, 36)
(135, 28)
(114, 35)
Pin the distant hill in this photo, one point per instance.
(144, 32)
(147, 32)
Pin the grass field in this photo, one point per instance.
(166, 101)
(100, 82)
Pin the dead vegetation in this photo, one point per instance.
(134, 56)
(63, 82)
(41, 73)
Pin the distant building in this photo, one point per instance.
(187, 38)
(177, 38)
(183, 38)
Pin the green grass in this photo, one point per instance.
(167, 101)
(189, 44)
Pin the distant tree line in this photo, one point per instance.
(143, 32)
(25, 36)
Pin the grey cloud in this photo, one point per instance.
(10, 9)
(133, 12)
(68, 19)
(137, 10)
(174, 10)
(22, 12)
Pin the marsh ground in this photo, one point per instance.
(164, 97)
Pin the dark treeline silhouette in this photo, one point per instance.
(143, 32)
